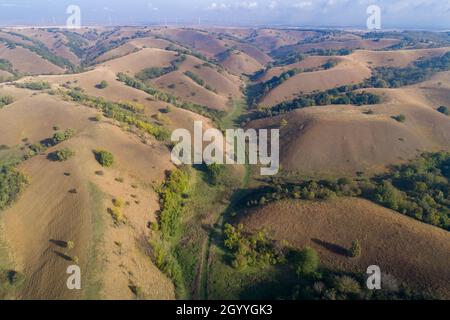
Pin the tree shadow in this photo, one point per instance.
(279, 284)
(59, 243)
(62, 255)
(49, 142)
(337, 249)
(52, 157)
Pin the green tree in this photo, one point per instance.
(215, 172)
(64, 154)
(105, 158)
(355, 249)
(5, 100)
(306, 262)
(102, 85)
(70, 245)
(444, 110)
(400, 118)
(347, 285)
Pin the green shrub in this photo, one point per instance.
(118, 203)
(117, 215)
(64, 154)
(400, 118)
(250, 249)
(36, 85)
(152, 73)
(105, 158)
(195, 78)
(444, 110)
(156, 72)
(215, 173)
(70, 245)
(171, 199)
(5, 100)
(338, 96)
(102, 85)
(12, 182)
(61, 136)
(6, 65)
(306, 262)
(347, 285)
(10, 280)
(125, 113)
(355, 249)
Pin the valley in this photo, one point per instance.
(86, 176)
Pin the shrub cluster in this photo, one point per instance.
(63, 154)
(124, 112)
(391, 77)
(5, 100)
(250, 249)
(34, 85)
(339, 96)
(12, 182)
(215, 115)
(171, 195)
(156, 72)
(419, 189)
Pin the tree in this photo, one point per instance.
(283, 123)
(5, 100)
(347, 285)
(105, 158)
(215, 173)
(306, 262)
(63, 154)
(102, 85)
(70, 245)
(444, 110)
(12, 182)
(400, 118)
(118, 203)
(355, 249)
(117, 215)
(59, 136)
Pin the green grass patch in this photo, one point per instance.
(94, 283)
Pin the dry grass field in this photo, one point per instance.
(59, 214)
(398, 244)
(112, 216)
(344, 140)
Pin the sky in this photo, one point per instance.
(405, 14)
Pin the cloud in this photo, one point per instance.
(151, 7)
(273, 5)
(247, 5)
(303, 4)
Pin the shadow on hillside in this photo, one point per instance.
(62, 255)
(337, 249)
(278, 284)
(59, 243)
